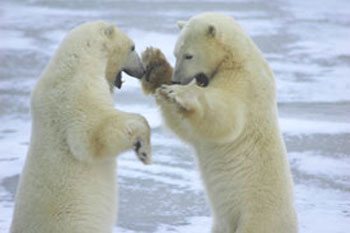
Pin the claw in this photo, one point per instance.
(143, 157)
(137, 146)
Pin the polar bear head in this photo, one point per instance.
(104, 43)
(122, 55)
(207, 43)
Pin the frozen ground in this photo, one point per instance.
(307, 45)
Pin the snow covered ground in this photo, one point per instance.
(307, 45)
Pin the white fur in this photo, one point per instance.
(68, 183)
(233, 126)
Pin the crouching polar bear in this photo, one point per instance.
(68, 183)
(225, 106)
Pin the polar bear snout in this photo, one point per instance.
(137, 73)
(201, 78)
(134, 66)
(180, 77)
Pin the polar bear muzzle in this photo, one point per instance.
(133, 65)
(202, 80)
(136, 70)
(118, 79)
(137, 73)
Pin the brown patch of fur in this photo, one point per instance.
(97, 141)
(158, 70)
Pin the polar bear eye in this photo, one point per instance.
(132, 48)
(188, 56)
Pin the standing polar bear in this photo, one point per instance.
(68, 183)
(225, 106)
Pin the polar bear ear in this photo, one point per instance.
(181, 24)
(109, 31)
(211, 31)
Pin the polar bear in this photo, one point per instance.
(223, 103)
(68, 183)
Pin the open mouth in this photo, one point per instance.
(118, 80)
(202, 80)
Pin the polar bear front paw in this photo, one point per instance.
(177, 95)
(139, 132)
(158, 70)
(142, 151)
